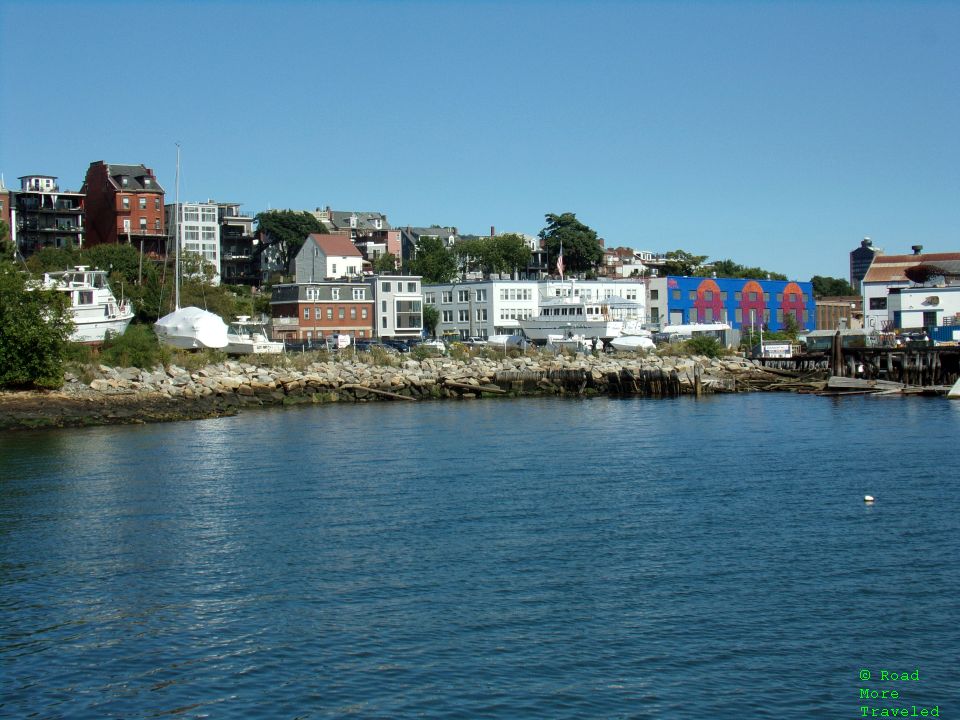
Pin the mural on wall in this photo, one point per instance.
(752, 304)
(793, 303)
(709, 302)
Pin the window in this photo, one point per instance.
(353, 313)
(335, 293)
(363, 313)
(143, 224)
(329, 313)
(430, 298)
(385, 287)
(448, 316)
(191, 213)
(481, 295)
(481, 314)
(333, 269)
(383, 306)
(676, 294)
(126, 203)
(463, 315)
(463, 296)
(156, 225)
(446, 297)
(306, 313)
(737, 295)
(143, 203)
(156, 203)
(340, 313)
(383, 322)
(359, 293)
(411, 287)
(879, 303)
(692, 294)
(208, 214)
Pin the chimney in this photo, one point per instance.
(867, 242)
(917, 249)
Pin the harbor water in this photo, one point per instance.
(535, 558)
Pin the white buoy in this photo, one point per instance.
(868, 499)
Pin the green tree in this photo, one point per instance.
(509, 252)
(680, 262)
(582, 251)
(431, 319)
(6, 242)
(35, 325)
(831, 287)
(286, 230)
(433, 261)
(385, 264)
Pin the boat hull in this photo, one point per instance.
(191, 328)
(92, 332)
(539, 330)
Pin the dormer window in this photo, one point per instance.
(146, 182)
(124, 181)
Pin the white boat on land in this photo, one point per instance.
(574, 316)
(93, 307)
(191, 328)
(507, 342)
(633, 343)
(188, 328)
(245, 337)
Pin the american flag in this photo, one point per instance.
(560, 262)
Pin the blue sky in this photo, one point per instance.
(774, 133)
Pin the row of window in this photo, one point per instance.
(709, 295)
(192, 213)
(411, 287)
(142, 202)
(464, 315)
(341, 313)
(515, 313)
(314, 293)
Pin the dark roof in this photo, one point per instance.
(136, 175)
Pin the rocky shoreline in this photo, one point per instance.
(109, 395)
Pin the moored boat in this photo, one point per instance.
(245, 337)
(574, 316)
(93, 307)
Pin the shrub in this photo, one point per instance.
(705, 345)
(137, 347)
(34, 327)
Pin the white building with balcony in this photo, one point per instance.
(199, 233)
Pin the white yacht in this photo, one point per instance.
(94, 308)
(245, 337)
(570, 317)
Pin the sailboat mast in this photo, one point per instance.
(176, 235)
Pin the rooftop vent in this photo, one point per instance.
(917, 249)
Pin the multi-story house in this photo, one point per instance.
(238, 245)
(399, 306)
(199, 233)
(47, 216)
(124, 203)
(741, 303)
(409, 236)
(368, 231)
(325, 256)
(317, 310)
(888, 274)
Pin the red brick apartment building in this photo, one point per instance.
(310, 311)
(124, 204)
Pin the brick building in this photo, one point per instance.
(124, 203)
(316, 310)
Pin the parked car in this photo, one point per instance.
(474, 341)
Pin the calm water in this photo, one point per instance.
(508, 559)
